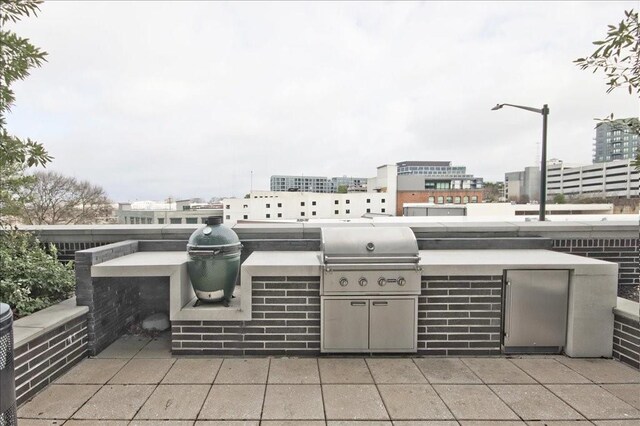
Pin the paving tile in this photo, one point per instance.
(125, 347)
(247, 371)
(293, 402)
(231, 402)
(292, 423)
(534, 402)
(446, 370)
(594, 402)
(497, 370)
(161, 423)
(92, 371)
(425, 423)
(353, 402)
(57, 401)
(40, 422)
(344, 370)
(474, 402)
(95, 423)
(159, 347)
(549, 370)
(142, 371)
(560, 423)
(491, 423)
(616, 423)
(602, 370)
(629, 393)
(395, 370)
(294, 371)
(184, 371)
(119, 402)
(413, 402)
(227, 423)
(174, 402)
(359, 423)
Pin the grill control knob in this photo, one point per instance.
(382, 281)
(362, 281)
(401, 281)
(344, 282)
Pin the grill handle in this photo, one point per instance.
(369, 266)
(371, 259)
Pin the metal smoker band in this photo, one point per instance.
(369, 290)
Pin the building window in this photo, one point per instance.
(228, 206)
(348, 201)
(313, 203)
(368, 200)
(335, 202)
(175, 220)
(244, 206)
(301, 203)
(465, 199)
(348, 211)
(160, 221)
(192, 220)
(268, 215)
(301, 213)
(474, 199)
(449, 200)
(335, 212)
(279, 204)
(268, 206)
(440, 200)
(382, 201)
(279, 214)
(432, 199)
(456, 200)
(382, 210)
(228, 217)
(245, 216)
(368, 210)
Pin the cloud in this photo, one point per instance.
(151, 99)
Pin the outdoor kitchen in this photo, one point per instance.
(371, 290)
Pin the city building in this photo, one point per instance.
(503, 210)
(522, 186)
(435, 182)
(269, 205)
(613, 179)
(615, 141)
(164, 213)
(319, 184)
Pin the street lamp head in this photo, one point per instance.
(497, 107)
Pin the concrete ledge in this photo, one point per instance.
(627, 309)
(33, 326)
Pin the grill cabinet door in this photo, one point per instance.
(393, 323)
(345, 325)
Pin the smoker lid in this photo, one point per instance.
(213, 235)
(369, 243)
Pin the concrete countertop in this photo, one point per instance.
(145, 263)
(282, 263)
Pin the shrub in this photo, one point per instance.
(31, 278)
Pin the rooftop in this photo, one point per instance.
(137, 378)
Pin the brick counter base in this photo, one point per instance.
(626, 341)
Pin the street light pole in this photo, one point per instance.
(543, 162)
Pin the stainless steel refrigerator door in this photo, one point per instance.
(345, 325)
(393, 325)
(536, 308)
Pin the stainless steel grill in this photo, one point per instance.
(369, 289)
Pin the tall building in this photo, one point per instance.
(615, 141)
(436, 182)
(522, 186)
(618, 179)
(320, 184)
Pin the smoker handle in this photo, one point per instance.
(358, 303)
(380, 303)
(507, 315)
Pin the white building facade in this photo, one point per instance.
(618, 179)
(267, 205)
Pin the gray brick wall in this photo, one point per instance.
(623, 251)
(626, 340)
(460, 315)
(285, 320)
(45, 358)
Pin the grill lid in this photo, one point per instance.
(365, 245)
(214, 236)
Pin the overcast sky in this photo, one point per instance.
(158, 99)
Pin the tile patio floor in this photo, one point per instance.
(136, 381)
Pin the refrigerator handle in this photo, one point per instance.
(507, 315)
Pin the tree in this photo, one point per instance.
(17, 57)
(618, 56)
(492, 192)
(58, 199)
(342, 189)
(559, 199)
